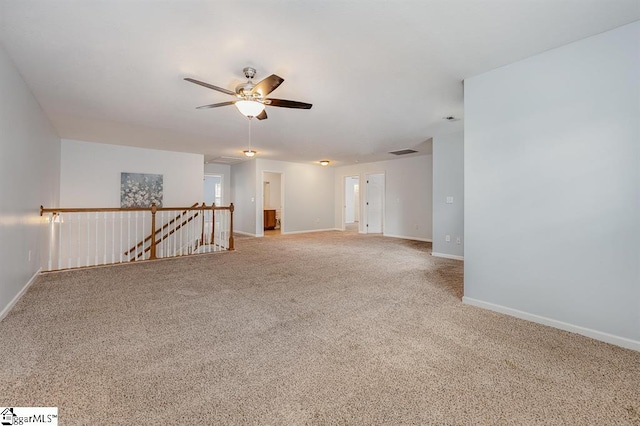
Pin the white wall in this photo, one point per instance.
(29, 177)
(223, 170)
(243, 196)
(90, 173)
(552, 184)
(308, 196)
(408, 196)
(448, 181)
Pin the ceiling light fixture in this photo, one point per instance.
(324, 162)
(250, 108)
(249, 153)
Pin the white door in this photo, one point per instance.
(375, 203)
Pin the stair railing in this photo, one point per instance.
(82, 237)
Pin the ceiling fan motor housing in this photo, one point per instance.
(249, 72)
(244, 89)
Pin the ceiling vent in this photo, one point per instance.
(226, 160)
(403, 152)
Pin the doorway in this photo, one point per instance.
(351, 216)
(212, 191)
(374, 203)
(272, 202)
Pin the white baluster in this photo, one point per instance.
(51, 242)
(144, 215)
(97, 241)
(136, 237)
(88, 238)
(175, 238)
(104, 245)
(128, 234)
(192, 234)
(180, 230)
(78, 251)
(159, 247)
(70, 233)
(206, 231)
(120, 255)
(113, 237)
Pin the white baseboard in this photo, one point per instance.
(447, 256)
(404, 237)
(308, 231)
(594, 334)
(21, 293)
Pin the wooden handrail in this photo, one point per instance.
(128, 209)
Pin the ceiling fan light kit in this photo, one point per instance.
(249, 153)
(250, 108)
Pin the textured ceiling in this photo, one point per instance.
(380, 74)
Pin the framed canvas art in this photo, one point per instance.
(140, 190)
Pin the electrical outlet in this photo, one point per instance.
(458, 240)
(449, 199)
(447, 238)
(416, 226)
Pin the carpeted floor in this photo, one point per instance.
(324, 328)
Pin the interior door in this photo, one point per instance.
(375, 203)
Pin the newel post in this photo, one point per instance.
(154, 209)
(231, 208)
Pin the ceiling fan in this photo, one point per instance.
(251, 97)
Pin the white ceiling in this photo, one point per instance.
(380, 74)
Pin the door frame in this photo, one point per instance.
(344, 200)
(365, 221)
(260, 214)
(221, 176)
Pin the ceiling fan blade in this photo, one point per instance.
(287, 104)
(262, 115)
(210, 86)
(267, 85)
(216, 105)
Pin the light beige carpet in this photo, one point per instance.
(325, 328)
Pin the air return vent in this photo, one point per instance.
(226, 160)
(403, 152)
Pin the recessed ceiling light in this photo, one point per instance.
(324, 162)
